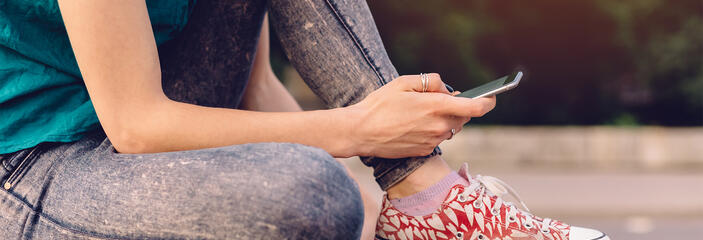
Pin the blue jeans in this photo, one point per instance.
(85, 189)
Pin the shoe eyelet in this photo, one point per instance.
(545, 230)
(460, 235)
(478, 203)
(527, 225)
(495, 212)
(511, 219)
(461, 198)
(481, 236)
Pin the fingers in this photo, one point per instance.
(445, 128)
(464, 107)
(455, 123)
(414, 83)
(435, 84)
(446, 136)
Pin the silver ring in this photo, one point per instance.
(453, 131)
(425, 81)
(422, 81)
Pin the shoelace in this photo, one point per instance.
(499, 188)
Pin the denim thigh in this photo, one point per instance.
(86, 190)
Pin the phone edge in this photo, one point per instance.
(511, 85)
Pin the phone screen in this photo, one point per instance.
(500, 84)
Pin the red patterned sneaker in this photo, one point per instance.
(477, 212)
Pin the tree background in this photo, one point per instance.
(589, 62)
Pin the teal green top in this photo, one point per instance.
(42, 95)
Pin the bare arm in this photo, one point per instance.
(264, 91)
(121, 70)
(114, 45)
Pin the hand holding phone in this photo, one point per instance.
(494, 87)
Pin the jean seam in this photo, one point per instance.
(52, 223)
(357, 42)
(23, 165)
(38, 209)
(92, 235)
(382, 175)
(44, 217)
(5, 164)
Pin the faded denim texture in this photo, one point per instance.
(333, 44)
(85, 190)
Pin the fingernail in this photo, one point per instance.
(449, 88)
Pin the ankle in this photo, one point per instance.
(434, 170)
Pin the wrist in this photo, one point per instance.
(349, 140)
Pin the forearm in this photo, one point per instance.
(175, 126)
(121, 71)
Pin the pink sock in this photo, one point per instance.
(430, 199)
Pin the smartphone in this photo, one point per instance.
(494, 87)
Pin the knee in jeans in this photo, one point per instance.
(302, 191)
(329, 196)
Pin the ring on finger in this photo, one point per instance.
(424, 79)
(453, 131)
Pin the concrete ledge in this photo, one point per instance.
(583, 148)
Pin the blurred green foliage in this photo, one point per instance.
(622, 62)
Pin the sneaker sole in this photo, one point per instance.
(602, 237)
